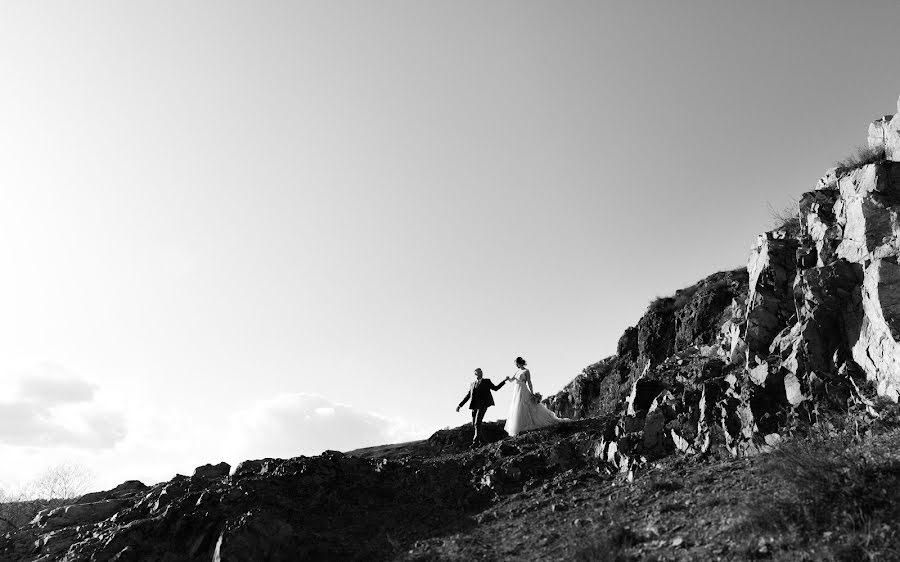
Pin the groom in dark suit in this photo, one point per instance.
(481, 400)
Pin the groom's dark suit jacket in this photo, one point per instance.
(480, 393)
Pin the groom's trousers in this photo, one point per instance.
(477, 417)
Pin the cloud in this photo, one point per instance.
(50, 384)
(291, 425)
(50, 415)
(49, 406)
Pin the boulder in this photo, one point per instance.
(125, 489)
(79, 514)
(210, 471)
(884, 134)
(876, 348)
(771, 268)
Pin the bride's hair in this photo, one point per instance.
(520, 361)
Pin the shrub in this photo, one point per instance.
(863, 155)
(61, 481)
(682, 297)
(786, 219)
(676, 302)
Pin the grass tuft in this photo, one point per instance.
(833, 487)
(611, 546)
(863, 155)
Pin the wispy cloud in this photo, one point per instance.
(49, 406)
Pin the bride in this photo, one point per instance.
(526, 412)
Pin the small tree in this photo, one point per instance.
(61, 481)
(786, 219)
(50, 489)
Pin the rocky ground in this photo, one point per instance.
(543, 495)
(687, 509)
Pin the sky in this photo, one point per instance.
(235, 230)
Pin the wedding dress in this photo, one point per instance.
(524, 412)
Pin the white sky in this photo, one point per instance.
(241, 229)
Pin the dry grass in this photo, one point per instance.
(786, 219)
(840, 495)
(682, 297)
(611, 546)
(863, 155)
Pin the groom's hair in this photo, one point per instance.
(478, 370)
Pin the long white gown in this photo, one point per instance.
(524, 412)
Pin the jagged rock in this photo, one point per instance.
(818, 219)
(699, 321)
(210, 471)
(253, 467)
(656, 331)
(771, 269)
(884, 134)
(627, 347)
(695, 318)
(564, 455)
(256, 536)
(865, 211)
(654, 434)
(78, 514)
(877, 349)
(125, 489)
(56, 542)
(459, 439)
(792, 390)
(506, 449)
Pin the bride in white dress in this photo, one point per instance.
(525, 412)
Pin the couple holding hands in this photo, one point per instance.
(526, 412)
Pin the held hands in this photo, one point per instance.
(457, 408)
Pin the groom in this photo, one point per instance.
(481, 400)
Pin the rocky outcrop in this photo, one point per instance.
(817, 319)
(707, 316)
(851, 223)
(327, 507)
(772, 269)
(335, 506)
(884, 134)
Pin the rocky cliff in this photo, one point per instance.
(732, 362)
(806, 335)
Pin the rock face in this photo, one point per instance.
(816, 318)
(706, 317)
(852, 227)
(884, 133)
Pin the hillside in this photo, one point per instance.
(750, 416)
